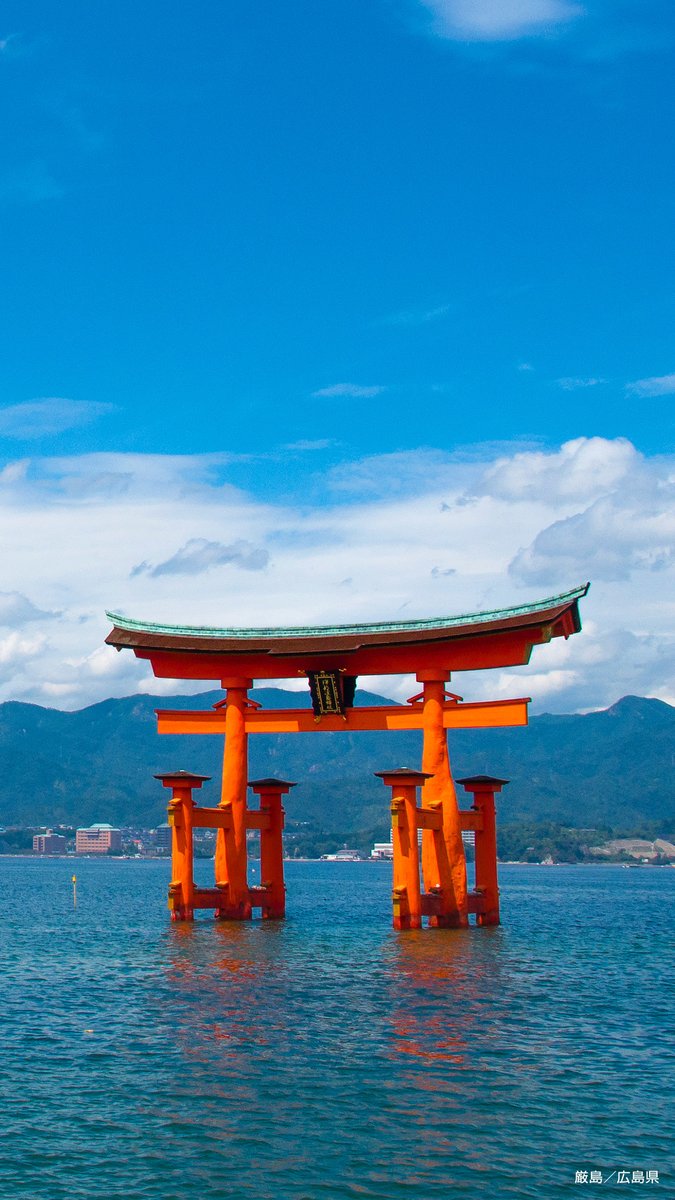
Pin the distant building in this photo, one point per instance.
(342, 856)
(49, 843)
(382, 850)
(163, 837)
(98, 839)
(386, 849)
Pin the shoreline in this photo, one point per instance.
(72, 858)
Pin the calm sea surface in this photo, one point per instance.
(328, 1056)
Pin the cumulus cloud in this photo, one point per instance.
(590, 671)
(199, 555)
(580, 469)
(15, 648)
(609, 540)
(512, 525)
(17, 610)
(658, 385)
(497, 20)
(48, 417)
(351, 391)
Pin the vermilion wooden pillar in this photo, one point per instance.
(272, 887)
(443, 857)
(406, 895)
(180, 815)
(483, 788)
(231, 860)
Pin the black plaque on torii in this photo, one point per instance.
(332, 692)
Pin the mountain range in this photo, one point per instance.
(610, 769)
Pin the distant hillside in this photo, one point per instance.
(612, 768)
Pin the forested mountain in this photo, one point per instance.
(613, 768)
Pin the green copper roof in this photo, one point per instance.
(313, 631)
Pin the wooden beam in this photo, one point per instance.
(470, 820)
(430, 818)
(258, 897)
(491, 714)
(212, 818)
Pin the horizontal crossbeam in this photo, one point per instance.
(258, 897)
(470, 820)
(221, 818)
(490, 714)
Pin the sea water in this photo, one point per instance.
(328, 1056)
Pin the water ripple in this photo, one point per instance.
(328, 1056)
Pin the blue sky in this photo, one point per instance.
(284, 281)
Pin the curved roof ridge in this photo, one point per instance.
(312, 631)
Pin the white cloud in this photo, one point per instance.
(579, 470)
(658, 385)
(499, 20)
(420, 533)
(571, 383)
(17, 610)
(610, 540)
(48, 417)
(591, 670)
(15, 650)
(199, 555)
(351, 391)
(103, 476)
(402, 472)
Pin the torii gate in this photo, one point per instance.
(332, 658)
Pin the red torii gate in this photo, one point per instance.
(332, 658)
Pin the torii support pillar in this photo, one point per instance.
(231, 860)
(180, 817)
(486, 899)
(272, 887)
(406, 892)
(443, 858)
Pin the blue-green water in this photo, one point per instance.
(328, 1056)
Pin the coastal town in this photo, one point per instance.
(103, 839)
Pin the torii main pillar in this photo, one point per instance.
(443, 859)
(231, 859)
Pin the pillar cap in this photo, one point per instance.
(483, 783)
(433, 675)
(405, 775)
(270, 785)
(184, 778)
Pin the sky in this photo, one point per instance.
(332, 312)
